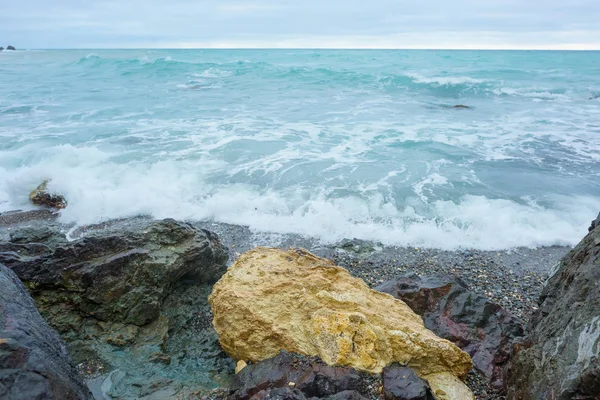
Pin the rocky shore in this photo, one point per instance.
(130, 300)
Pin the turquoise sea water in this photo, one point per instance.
(332, 144)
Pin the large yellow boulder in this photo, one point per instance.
(271, 300)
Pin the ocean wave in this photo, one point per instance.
(446, 80)
(450, 86)
(99, 189)
(212, 72)
(347, 144)
(18, 110)
(532, 93)
(437, 85)
(198, 86)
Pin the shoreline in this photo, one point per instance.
(511, 278)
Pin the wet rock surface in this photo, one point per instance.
(130, 299)
(34, 362)
(111, 275)
(290, 375)
(475, 324)
(14, 218)
(560, 357)
(402, 383)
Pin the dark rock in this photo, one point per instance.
(358, 246)
(112, 275)
(402, 383)
(34, 363)
(41, 197)
(347, 395)
(281, 393)
(595, 223)
(1, 48)
(460, 106)
(10, 48)
(481, 328)
(560, 357)
(128, 296)
(307, 375)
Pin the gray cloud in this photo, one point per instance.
(309, 23)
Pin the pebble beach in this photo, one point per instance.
(512, 278)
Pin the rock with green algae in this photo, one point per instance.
(112, 275)
(125, 295)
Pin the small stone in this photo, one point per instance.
(240, 366)
(41, 197)
(160, 358)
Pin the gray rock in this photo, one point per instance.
(34, 363)
(10, 48)
(402, 383)
(475, 324)
(359, 247)
(1, 48)
(560, 358)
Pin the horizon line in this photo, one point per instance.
(312, 48)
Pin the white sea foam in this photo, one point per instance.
(444, 80)
(98, 189)
(533, 93)
(434, 179)
(198, 86)
(212, 73)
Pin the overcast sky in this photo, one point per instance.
(571, 24)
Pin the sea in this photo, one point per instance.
(327, 144)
